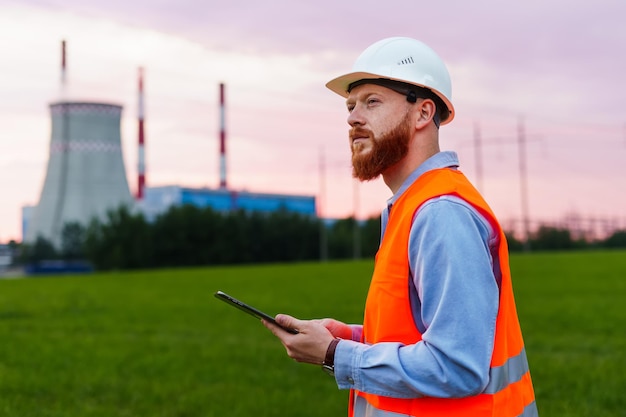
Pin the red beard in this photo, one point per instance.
(387, 150)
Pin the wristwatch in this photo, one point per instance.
(329, 360)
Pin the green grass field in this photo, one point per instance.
(158, 343)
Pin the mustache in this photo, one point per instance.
(359, 132)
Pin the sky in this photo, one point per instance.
(551, 72)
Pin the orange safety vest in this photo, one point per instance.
(388, 316)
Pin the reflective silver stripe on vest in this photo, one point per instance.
(500, 377)
(363, 409)
(530, 410)
(511, 371)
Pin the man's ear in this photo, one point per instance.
(426, 112)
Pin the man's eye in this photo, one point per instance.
(372, 101)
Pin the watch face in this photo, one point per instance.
(330, 370)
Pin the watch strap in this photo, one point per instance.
(329, 359)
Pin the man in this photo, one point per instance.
(440, 335)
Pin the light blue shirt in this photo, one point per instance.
(454, 296)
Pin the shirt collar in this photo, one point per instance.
(446, 159)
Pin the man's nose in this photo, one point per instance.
(355, 118)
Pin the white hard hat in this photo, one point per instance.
(405, 60)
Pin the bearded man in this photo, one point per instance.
(440, 335)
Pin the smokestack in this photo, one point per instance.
(222, 138)
(141, 164)
(63, 66)
(85, 177)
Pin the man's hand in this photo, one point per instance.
(336, 328)
(311, 342)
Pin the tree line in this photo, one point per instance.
(191, 236)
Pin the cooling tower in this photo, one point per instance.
(85, 176)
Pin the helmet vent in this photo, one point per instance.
(407, 60)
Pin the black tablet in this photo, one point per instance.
(249, 309)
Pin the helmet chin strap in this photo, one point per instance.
(411, 97)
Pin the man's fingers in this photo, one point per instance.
(279, 331)
(289, 322)
(271, 326)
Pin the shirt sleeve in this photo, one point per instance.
(357, 332)
(450, 254)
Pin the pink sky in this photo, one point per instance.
(559, 65)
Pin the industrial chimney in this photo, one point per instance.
(222, 137)
(141, 155)
(85, 176)
(63, 68)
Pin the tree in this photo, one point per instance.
(187, 235)
(341, 239)
(15, 249)
(41, 250)
(370, 237)
(550, 238)
(514, 244)
(73, 241)
(123, 242)
(616, 240)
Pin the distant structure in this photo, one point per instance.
(222, 136)
(85, 176)
(63, 67)
(160, 199)
(141, 156)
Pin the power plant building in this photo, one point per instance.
(86, 177)
(157, 200)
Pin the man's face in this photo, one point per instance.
(380, 130)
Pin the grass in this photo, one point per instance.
(156, 343)
(572, 308)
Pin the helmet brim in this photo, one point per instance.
(341, 84)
